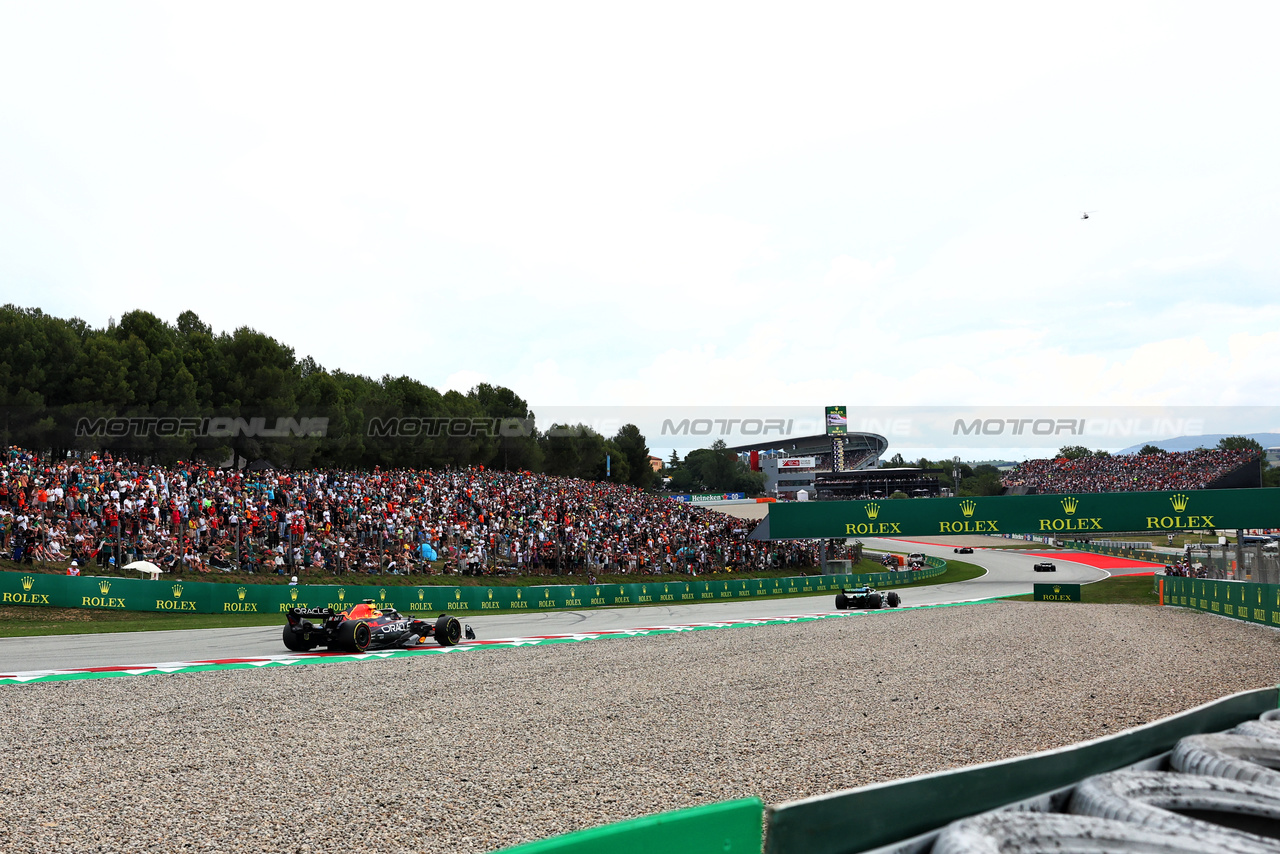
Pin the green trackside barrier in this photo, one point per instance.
(202, 597)
(1088, 514)
(1243, 600)
(731, 827)
(862, 819)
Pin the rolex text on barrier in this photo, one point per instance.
(201, 597)
(1047, 515)
(1056, 592)
(1243, 600)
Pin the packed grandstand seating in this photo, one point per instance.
(1129, 472)
(195, 518)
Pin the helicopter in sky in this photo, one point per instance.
(1085, 214)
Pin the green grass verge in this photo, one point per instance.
(1124, 590)
(433, 579)
(957, 570)
(29, 621)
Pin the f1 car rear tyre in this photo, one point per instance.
(448, 630)
(1185, 804)
(875, 601)
(1053, 833)
(1236, 757)
(296, 641)
(893, 599)
(842, 602)
(352, 636)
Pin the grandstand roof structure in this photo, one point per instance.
(821, 443)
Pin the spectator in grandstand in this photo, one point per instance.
(1129, 472)
(317, 521)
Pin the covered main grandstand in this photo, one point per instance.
(878, 483)
(862, 451)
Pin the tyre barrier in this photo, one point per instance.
(1111, 794)
(1261, 728)
(1170, 802)
(1236, 757)
(1223, 795)
(1055, 833)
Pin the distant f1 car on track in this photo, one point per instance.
(963, 550)
(866, 598)
(365, 627)
(1045, 566)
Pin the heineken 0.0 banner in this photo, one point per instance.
(180, 595)
(1074, 515)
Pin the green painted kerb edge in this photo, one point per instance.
(1044, 515)
(732, 827)
(1056, 592)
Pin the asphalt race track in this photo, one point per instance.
(1008, 574)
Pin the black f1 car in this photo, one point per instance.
(865, 598)
(1045, 566)
(963, 550)
(365, 627)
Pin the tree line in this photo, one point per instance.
(163, 393)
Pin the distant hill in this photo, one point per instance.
(1209, 440)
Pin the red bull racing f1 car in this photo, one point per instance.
(365, 626)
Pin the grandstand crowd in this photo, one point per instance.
(101, 511)
(1129, 472)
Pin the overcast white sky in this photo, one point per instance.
(782, 204)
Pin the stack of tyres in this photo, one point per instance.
(1222, 794)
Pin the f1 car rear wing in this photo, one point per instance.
(295, 613)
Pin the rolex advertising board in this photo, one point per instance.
(197, 597)
(1073, 515)
(1056, 592)
(1243, 600)
(837, 421)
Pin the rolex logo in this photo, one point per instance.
(240, 591)
(666, 589)
(643, 590)
(293, 593)
(342, 593)
(967, 507)
(1069, 504)
(546, 594)
(104, 586)
(572, 593)
(490, 592)
(420, 594)
(382, 594)
(519, 594)
(27, 581)
(1057, 589)
(457, 593)
(1179, 501)
(177, 591)
(598, 592)
(873, 510)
